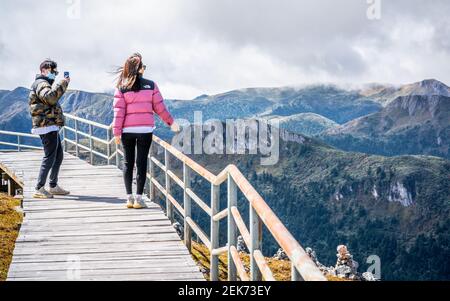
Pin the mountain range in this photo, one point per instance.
(407, 125)
(415, 120)
(376, 119)
(387, 93)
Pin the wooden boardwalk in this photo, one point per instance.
(90, 235)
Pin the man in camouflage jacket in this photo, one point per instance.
(47, 118)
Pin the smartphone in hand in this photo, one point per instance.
(66, 74)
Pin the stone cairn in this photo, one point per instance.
(345, 268)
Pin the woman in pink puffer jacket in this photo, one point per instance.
(135, 101)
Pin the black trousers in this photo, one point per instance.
(53, 157)
(131, 142)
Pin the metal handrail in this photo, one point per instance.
(86, 121)
(303, 268)
(90, 137)
(19, 143)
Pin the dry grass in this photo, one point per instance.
(334, 278)
(281, 269)
(10, 220)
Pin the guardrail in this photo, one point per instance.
(79, 133)
(303, 268)
(20, 145)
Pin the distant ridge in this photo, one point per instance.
(386, 94)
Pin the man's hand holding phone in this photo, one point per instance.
(67, 76)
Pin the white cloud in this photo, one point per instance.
(203, 46)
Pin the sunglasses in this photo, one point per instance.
(55, 72)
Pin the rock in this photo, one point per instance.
(19, 209)
(312, 254)
(399, 193)
(281, 255)
(343, 271)
(179, 228)
(368, 276)
(241, 246)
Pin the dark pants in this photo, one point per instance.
(52, 160)
(143, 143)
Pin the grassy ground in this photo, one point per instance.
(281, 269)
(10, 220)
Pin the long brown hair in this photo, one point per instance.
(129, 77)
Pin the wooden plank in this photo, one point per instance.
(104, 239)
(85, 214)
(143, 277)
(66, 208)
(109, 225)
(161, 248)
(127, 221)
(111, 272)
(91, 220)
(71, 235)
(161, 262)
(57, 248)
(99, 256)
(118, 229)
(60, 247)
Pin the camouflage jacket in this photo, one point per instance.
(43, 100)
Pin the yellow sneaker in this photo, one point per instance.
(139, 203)
(130, 202)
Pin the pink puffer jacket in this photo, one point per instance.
(136, 108)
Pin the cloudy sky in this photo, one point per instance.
(194, 47)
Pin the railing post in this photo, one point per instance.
(187, 206)
(232, 233)
(117, 155)
(18, 144)
(295, 275)
(91, 146)
(11, 187)
(108, 146)
(169, 207)
(215, 207)
(64, 139)
(77, 149)
(256, 243)
(151, 188)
